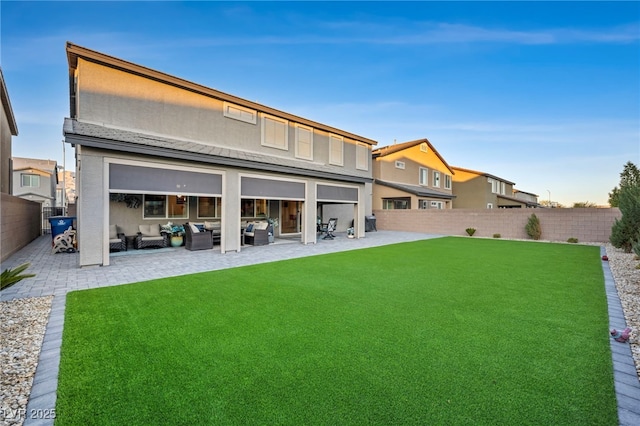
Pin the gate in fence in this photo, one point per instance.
(47, 212)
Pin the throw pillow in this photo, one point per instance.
(194, 228)
(113, 232)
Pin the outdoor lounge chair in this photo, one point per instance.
(196, 239)
(117, 240)
(331, 226)
(257, 233)
(150, 236)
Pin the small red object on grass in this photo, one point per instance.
(605, 258)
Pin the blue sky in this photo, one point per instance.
(543, 94)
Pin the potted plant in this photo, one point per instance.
(175, 232)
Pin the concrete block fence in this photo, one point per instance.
(585, 224)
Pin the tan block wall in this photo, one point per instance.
(19, 222)
(587, 225)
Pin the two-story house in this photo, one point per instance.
(479, 190)
(411, 175)
(153, 148)
(36, 180)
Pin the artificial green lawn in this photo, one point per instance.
(443, 331)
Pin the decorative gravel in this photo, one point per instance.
(627, 278)
(24, 322)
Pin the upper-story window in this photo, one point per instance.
(362, 157)
(275, 132)
(400, 165)
(304, 142)
(336, 150)
(30, 180)
(424, 147)
(423, 176)
(436, 179)
(497, 187)
(447, 181)
(238, 112)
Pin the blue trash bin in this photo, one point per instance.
(59, 224)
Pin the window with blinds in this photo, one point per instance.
(304, 142)
(274, 132)
(336, 152)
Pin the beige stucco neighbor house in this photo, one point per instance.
(411, 175)
(479, 190)
(152, 148)
(36, 180)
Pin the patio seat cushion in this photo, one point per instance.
(150, 230)
(194, 228)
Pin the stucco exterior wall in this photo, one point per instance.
(91, 207)
(472, 193)
(5, 153)
(107, 96)
(585, 224)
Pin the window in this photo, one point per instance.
(423, 204)
(497, 187)
(253, 208)
(155, 206)
(275, 132)
(447, 181)
(209, 207)
(396, 204)
(424, 147)
(30, 180)
(424, 176)
(437, 205)
(165, 206)
(178, 207)
(304, 142)
(239, 113)
(362, 157)
(336, 150)
(436, 179)
(400, 165)
(489, 205)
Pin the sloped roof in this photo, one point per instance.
(417, 190)
(391, 149)
(97, 136)
(518, 200)
(74, 52)
(22, 163)
(483, 174)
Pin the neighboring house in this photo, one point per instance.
(66, 181)
(153, 148)
(528, 197)
(480, 190)
(411, 175)
(35, 180)
(8, 128)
